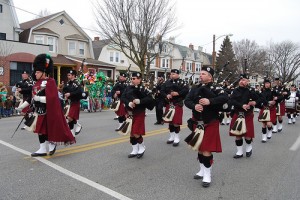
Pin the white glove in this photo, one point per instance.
(36, 98)
(137, 101)
(297, 98)
(39, 98)
(131, 104)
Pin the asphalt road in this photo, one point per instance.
(97, 167)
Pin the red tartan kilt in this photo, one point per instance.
(41, 125)
(74, 110)
(177, 119)
(122, 110)
(282, 108)
(138, 124)
(249, 125)
(273, 116)
(211, 140)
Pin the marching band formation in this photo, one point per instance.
(211, 104)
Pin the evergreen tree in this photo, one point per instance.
(226, 56)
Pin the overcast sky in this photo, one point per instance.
(259, 20)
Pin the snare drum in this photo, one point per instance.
(290, 103)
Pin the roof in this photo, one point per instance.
(32, 23)
(45, 30)
(62, 60)
(90, 61)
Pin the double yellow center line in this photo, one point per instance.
(95, 145)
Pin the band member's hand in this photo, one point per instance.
(198, 108)
(252, 103)
(204, 101)
(272, 102)
(284, 93)
(246, 107)
(275, 98)
(67, 95)
(174, 94)
(115, 95)
(19, 89)
(136, 101)
(118, 92)
(169, 96)
(131, 105)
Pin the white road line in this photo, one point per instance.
(296, 145)
(71, 174)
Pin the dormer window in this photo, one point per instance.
(61, 22)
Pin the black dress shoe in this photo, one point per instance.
(140, 155)
(237, 156)
(132, 155)
(279, 130)
(170, 142)
(117, 129)
(197, 177)
(23, 128)
(53, 151)
(269, 137)
(248, 154)
(205, 184)
(156, 123)
(38, 154)
(263, 141)
(76, 133)
(175, 144)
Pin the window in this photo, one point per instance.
(165, 63)
(81, 48)
(1, 8)
(52, 44)
(16, 69)
(198, 67)
(72, 48)
(61, 22)
(111, 56)
(39, 39)
(2, 36)
(117, 56)
(189, 66)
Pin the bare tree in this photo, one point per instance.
(255, 56)
(136, 27)
(43, 13)
(284, 59)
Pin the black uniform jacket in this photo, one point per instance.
(75, 90)
(137, 92)
(119, 86)
(176, 85)
(216, 98)
(241, 96)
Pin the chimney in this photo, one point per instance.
(172, 40)
(191, 46)
(96, 38)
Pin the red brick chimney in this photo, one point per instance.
(96, 38)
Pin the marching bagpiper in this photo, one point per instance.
(136, 98)
(73, 93)
(205, 102)
(174, 91)
(159, 101)
(267, 114)
(243, 101)
(285, 93)
(118, 105)
(48, 120)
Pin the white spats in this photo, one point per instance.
(264, 138)
(269, 133)
(134, 151)
(206, 176)
(171, 138)
(275, 130)
(176, 139)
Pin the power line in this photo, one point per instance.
(40, 16)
